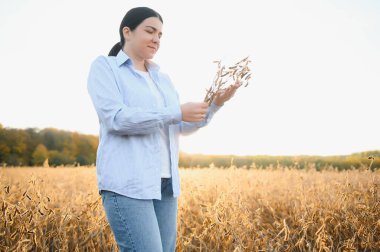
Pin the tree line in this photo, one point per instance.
(344, 162)
(34, 147)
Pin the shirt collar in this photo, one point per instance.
(122, 57)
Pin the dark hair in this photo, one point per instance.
(132, 19)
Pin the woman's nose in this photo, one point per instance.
(156, 39)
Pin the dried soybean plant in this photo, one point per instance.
(226, 77)
(372, 158)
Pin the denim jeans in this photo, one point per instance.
(140, 224)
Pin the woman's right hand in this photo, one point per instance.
(194, 111)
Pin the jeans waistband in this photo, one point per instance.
(165, 180)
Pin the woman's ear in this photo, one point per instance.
(126, 33)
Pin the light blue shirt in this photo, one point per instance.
(128, 156)
(164, 131)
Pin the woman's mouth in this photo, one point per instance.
(153, 48)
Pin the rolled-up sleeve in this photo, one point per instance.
(114, 114)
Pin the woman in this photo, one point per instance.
(140, 122)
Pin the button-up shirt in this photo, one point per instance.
(128, 156)
(164, 131)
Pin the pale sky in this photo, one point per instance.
(316, 69)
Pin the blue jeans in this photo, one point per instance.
(143, 225)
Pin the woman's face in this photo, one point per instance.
(144, 41)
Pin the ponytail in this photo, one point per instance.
(115, 49)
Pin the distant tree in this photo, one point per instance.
(14, 139)
(4, 153)
(86, 149)
(39, 155)
(4, 148)
(54, 139)
(32, 140)
(59, 158)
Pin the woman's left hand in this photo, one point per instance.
(225, 94)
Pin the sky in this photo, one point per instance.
(316, 69)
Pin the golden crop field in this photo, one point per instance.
(273, 209)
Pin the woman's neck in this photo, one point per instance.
(139, 64)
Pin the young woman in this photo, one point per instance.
(140, 119)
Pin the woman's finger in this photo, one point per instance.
(201, 117)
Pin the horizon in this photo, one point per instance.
(208, 154)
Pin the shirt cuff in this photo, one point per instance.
(214, 108)
(176, 114)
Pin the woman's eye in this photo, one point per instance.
(149, 32)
